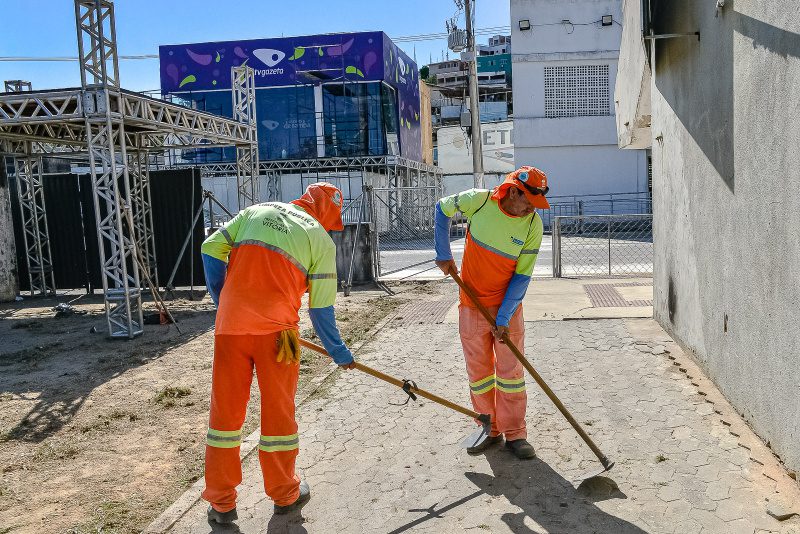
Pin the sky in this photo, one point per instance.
(38, 28)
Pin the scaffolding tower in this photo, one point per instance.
(116, 132)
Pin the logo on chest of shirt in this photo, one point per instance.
(516, 241)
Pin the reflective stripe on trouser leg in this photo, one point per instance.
(511, 397)
(224, 439)
(476, 340)
(279, 443)
(230, 390)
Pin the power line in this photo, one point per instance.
(401, 39)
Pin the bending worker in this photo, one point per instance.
(258, 266)
(503, 238)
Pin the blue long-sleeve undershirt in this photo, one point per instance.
(324, 321)
(441, 235)
(514, 295)
(215, 276)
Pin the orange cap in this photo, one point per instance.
(529, 180)
(323, 201)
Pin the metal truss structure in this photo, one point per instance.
(115, 130)
(243, 91)
(17, 86)
(35, 235)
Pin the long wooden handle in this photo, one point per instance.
(539, 380)
(399, 383)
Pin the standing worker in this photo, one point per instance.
(503, 238)
(277, 252)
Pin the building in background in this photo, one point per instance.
(722, 118)
(454, 156)
(450, 92)
(565, 62)
(333, 95)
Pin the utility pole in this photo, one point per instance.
(474, 106)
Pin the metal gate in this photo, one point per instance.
(403, 219)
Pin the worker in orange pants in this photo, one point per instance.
(496, 376)
(235, 357)
(257, 266)
(502, 243)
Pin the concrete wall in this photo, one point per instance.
(8, 252)
(579, 154)
(726, 166)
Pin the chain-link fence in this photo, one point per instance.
(403, 223)
(602, 245)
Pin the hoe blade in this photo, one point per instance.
(480, 434)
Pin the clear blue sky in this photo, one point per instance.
(142, 25)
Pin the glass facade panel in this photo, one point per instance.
(287, 126)
(359, 119)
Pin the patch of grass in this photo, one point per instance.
(48, 452)
(166, 397)
(110, 516)
(661, 458)
(104, 420)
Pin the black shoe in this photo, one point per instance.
(305, 495)
(521, 449)
(222, 518)
(488, 442)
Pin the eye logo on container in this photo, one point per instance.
(269, 56)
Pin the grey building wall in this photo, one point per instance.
(8, 252)
(726, 175)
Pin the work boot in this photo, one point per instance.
(305, 495)
(488, 442)
(222, 518)
(521, 449)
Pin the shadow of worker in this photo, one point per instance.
(548, 499)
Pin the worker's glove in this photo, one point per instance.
(288, 347)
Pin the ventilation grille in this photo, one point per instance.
(576, 91)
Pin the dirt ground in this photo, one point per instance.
(101, 435)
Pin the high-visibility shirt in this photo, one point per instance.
(275, 253)
(499, 248)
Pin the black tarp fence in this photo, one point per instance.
(175, 197)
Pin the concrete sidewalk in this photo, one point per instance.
(685, 462)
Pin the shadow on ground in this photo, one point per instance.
(542, 495)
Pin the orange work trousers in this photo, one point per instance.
(496, 377)
(235, 356)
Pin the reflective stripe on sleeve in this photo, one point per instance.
(511, 385)
(484, 385)
(322, 276)
(279, 443)
(530, 251)
(224, 439)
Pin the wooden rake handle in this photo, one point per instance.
(399, 383)
(539, 380)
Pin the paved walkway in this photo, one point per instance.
(685, 462)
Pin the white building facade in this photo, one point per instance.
(565, 63)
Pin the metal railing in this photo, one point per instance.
(603, 245)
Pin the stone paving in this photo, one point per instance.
(685, 462)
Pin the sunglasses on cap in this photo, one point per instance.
(534, 190)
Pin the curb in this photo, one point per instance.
(191, 496)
